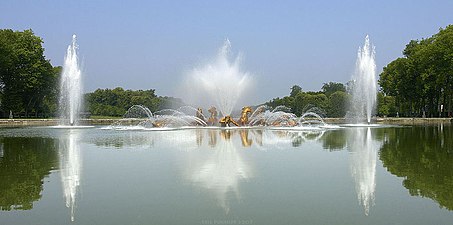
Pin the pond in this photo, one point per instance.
(377, 175)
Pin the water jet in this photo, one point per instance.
(364, 90)
(70, 100)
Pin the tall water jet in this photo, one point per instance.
(221, 80)
(70, 87)
(364, 90)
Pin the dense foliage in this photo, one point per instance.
(28, 82)
(331, 101)
(422, 80)
(115, 102)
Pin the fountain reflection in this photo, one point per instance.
(70, 163)
(189, 139)
(222, 172)
(363, 153)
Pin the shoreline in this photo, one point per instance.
(397, 120)
(387, 120)
(50, 122)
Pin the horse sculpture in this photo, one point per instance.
(244, 120)
(226, 121)
(213, 118)
(200, 116)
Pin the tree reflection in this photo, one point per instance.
(334, 140)
(424, 157)
(24, 163)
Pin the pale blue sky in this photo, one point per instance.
(153, 44)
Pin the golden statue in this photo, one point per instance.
(213, 118)
(244, 115)
(285, 121)
(159, 123)
(225, 121)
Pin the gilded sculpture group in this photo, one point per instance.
(225, 121)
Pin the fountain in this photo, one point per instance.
(139, 117)
(222, 80)
(70, 87)
(363, 101)
(224, 83)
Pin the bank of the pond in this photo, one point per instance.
(50, 122)
(396, 120)
(387, 120)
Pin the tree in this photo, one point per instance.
(386, 105)
(332, 87)
(116, 102)
(422, 81)
(27, 79)
(296, 89)
(307, 100)
(338, 102)
(300, 102)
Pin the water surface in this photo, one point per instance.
(387, 175)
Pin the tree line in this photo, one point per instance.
(331, 101)
(421, 82)
(116, 102)
(29, 84)
(418, 84)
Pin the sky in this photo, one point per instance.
(155, 44)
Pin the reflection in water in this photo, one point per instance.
(334, 140)
(221, 168)
(212, 138)
(245, 140)
(194, 138)
(363, 164)
(70, 168)
(222, 171)
(423, 157)
(24, 163)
